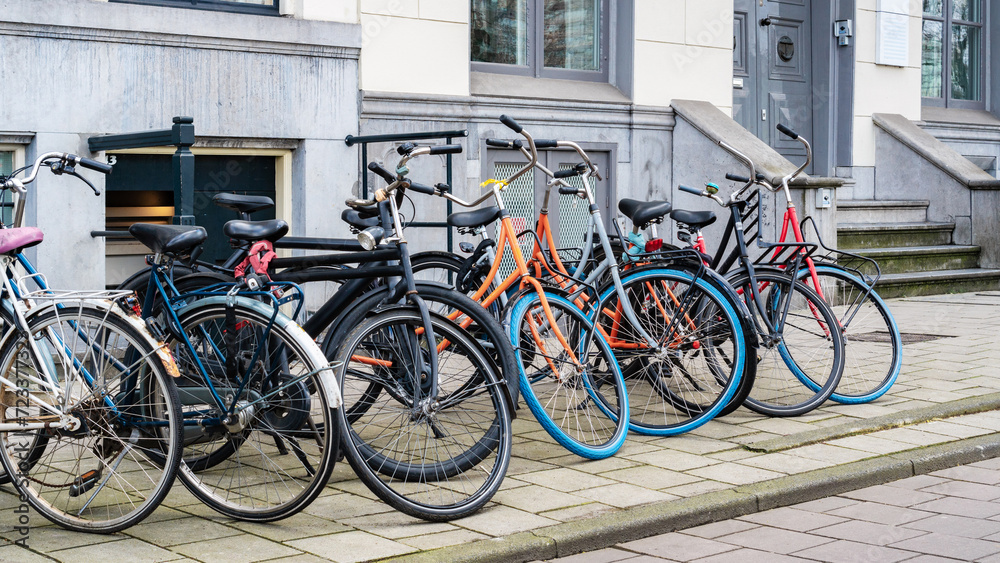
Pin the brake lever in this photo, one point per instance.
(97, 192)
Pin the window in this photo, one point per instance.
(541, 38)
(954, 47)
(10, 157)
(262, 7)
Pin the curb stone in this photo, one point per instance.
(652, 519)
(970, 405)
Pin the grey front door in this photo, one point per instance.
(772, 71)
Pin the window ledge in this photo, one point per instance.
(978, 117)
(513, 86)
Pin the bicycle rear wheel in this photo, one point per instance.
(873, 347)
(113, 470)
(798, 368)
(274, 453)
(582, 404)
(703, 352)
(436, 458)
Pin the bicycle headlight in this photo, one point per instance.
(370, 237)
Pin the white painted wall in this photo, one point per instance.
(879, 88)
(345, 11)
(684, 50)
(415, 46)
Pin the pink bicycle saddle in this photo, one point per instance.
(13, 240)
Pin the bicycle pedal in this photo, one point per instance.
(84, 482)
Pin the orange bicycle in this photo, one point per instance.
(678, 339)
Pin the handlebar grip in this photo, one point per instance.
(509, 122)
(95, 165)
(568, 190)
(443, 188)
(421, 188)
(446, 149)
(787, 131)
(684, 188)
(568, 173)
(405, 149)
(385, 174)
(500, 143)
(736, 178)
(546, 144)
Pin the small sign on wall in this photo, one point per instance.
(892, 34)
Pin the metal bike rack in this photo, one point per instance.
(181, 135)
(364, 140)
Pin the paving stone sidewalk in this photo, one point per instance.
(947, 515)
(955, 372)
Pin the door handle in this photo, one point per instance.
(765, 22)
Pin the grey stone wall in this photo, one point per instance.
(76, 68)
(640, 137)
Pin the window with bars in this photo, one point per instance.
(541, 38)
(6, 167)
(261, 7)
(954, 47)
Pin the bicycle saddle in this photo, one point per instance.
(255, 230)
(477, 218)
(168, 239)
(243, 203)
(359, 220)
(643, 212)
(13, 240)
(696, 219)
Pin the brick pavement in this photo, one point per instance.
(947, 515)
(546, 486)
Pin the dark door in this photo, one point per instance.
(772, 71)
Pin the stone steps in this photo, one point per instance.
(916, 256)
(932, 283)
(903, 259)
(893, 235)
(866, 211)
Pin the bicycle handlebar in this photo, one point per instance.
(381, 171)
(513, 125)
(792, 134)
(445, 149)
(504, 143)
(689, 190)
(740, 179)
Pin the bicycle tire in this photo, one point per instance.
(437, 459)
(571, 407)
(686, 385)
(873, 346)
(806, 350)
(484, 328)
(280, 369)
(116, 469)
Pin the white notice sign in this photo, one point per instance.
(892, 41)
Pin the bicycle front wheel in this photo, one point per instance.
(569, 376)
(268, 451)
(702, 353)
(115, 467)
(800, 365)
(873, 347)
(436, 457)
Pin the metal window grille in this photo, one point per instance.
(574, 219)
(519, 198)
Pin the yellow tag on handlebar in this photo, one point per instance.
(493, 181)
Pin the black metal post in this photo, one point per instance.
(183, 168)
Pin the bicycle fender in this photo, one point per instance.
(162, 351)
(311, 349)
